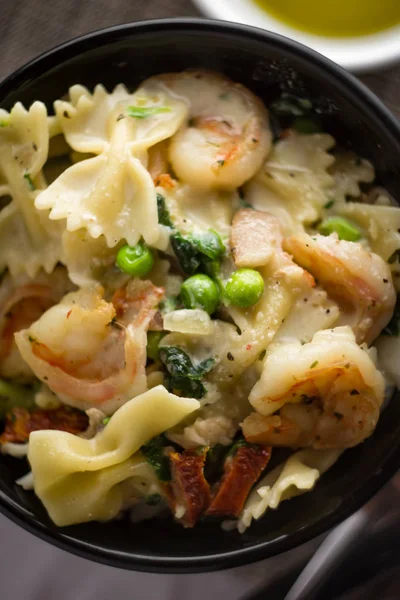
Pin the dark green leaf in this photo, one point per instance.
(163, 213)
(182, 374)
(154, 451)
(210, 244)
(187, 254)
(178, 363)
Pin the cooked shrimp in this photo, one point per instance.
(328, 394)
(90, 352)
(358, 280)
(22, 302)
(227, 135)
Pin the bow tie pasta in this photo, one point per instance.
(112, 194)
(28, 240)
(190, 283)
(79, 480)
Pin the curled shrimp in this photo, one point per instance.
(226, 137)
(328, 394)
(90, 352)
(358, 280)
(22, 302)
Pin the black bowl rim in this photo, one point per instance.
(262, 550)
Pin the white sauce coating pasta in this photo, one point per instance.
(181, 295)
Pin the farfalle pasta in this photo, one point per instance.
(185, 294)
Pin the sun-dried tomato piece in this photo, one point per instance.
(20, 422)
(241, 472)
(189, 486)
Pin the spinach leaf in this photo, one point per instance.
(154, 451)
(195, 251)
(191, 388)
(163, 213)
(187, 254)
(210, 244)
(393, 327)
(182, 374)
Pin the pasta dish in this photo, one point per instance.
(197, 300)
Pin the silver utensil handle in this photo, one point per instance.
(330, 554)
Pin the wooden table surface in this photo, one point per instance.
(29, 27)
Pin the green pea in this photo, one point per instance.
(244, 288)
(153, 341)
(344, 228)
(200, 291)
(135, 260)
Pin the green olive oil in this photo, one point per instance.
(335, 18)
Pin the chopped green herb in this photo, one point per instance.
(4, 123)
(163, 213)
(142, 112)
(106, 420)
(343, 227)
(31, 339)
(329, 204)
(153, 499)
(314, 364)
(154, 451)
(182, 374)
(29, 181)
(221, 162)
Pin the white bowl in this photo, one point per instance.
(354, 53)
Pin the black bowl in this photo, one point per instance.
(266, 63)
